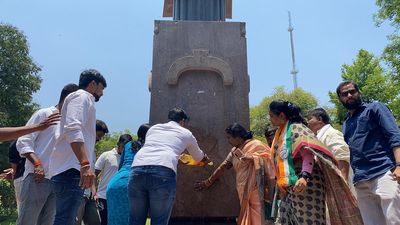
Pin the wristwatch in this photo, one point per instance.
(306, 175)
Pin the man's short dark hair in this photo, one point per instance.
(344, 83)
(68, 89)
(320, 114)
(88, 76)
(101, 126)
(177, 114)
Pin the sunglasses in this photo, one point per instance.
(346, 93)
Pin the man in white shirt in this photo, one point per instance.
(37, 194)
(106, 166)
(152, 184)
(71, 163)
(87, 211)
(319, 123)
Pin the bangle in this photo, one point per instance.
(84, 162)
(37, 163)
(84, 166)
(306, 175)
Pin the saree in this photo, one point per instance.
(255, 181)
(327, 186)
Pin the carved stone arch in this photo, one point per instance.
(200, 60)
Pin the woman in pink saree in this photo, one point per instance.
(255, 177)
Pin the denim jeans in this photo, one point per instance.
(38, 202)
(68, 196)
(151, 188)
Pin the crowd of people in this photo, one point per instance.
(307, 173)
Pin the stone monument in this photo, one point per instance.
(200, 64)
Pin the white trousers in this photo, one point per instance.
(379, 200)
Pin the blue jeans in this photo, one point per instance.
(151, 188)
(68, 196)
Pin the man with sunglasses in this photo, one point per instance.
(373, 136)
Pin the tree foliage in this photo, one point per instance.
(391, 56)
(388, 10)
(19, 78)
(110, 141)
(7, 200)
(259, 117)
(374, 83)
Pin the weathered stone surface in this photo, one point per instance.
(202, 67)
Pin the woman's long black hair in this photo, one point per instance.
(237, 130)
(141, 134)
(291, 111)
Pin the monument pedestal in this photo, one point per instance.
(201, 66)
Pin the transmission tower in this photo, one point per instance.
(294, 70)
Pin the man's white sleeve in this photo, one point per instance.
(26, 143)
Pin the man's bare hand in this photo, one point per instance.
(50, 121)
(87, 177)
(7, 174)
(202, 185)
(38, 173)
(396, 174)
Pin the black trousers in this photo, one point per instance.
(103, 212)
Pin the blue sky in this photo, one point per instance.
(116, 37)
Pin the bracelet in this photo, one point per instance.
(37, 163)
(84, 166)
(84, 162)
(306, 175)
(397, 164)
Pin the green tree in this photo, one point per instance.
(391, 56)
(259, 117)
(19, 78)
(388, 10)
(110, 141)
(370, 77)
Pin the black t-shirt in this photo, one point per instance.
(14, 157)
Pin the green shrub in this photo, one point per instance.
(8, 205)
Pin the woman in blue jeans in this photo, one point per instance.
(152, 183)
(117, 189)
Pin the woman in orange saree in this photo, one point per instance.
(255, 177)
(307, 176)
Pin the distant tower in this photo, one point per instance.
(294, 70)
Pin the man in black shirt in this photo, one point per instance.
(16, 171)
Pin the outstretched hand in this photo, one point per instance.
(49, 121)
(202, 185)
(7, 174)
(206, 159)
